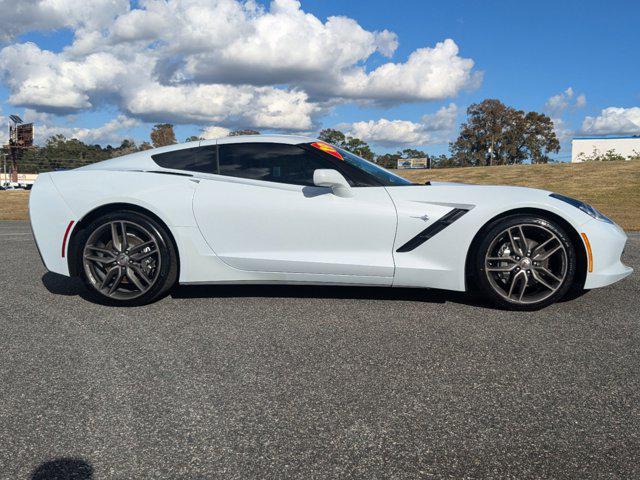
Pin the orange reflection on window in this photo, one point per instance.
(325, 147)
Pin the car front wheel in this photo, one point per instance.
(126, 258)
(524, 262)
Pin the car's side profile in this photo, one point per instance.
(287, 209)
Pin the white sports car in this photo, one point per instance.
(288, 209)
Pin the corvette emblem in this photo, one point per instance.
(424, 218)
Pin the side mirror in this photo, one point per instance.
(325, 177)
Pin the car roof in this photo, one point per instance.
(289, 139)
(142, 160)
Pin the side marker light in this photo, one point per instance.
(589, 253)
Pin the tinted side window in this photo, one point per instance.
(199, 159)
(356, 177)
(271, 162)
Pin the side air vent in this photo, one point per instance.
(433, 229)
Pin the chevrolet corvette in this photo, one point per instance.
(282, 209)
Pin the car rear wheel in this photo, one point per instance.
(524, 262)
(127, 259)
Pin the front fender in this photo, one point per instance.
(440, 262)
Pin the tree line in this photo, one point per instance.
(493, 134)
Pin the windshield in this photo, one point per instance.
(385, 177)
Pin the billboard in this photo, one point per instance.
(23, 135)
(20, 139)
(413, 163)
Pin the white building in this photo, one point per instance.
(587, 146)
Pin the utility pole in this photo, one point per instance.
(4, 168)
(4, 159)
(14, 121)
(4, 156)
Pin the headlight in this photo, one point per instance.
(588, 209)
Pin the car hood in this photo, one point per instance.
(469, 191)
(486, 200)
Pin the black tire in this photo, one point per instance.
(163, 276)
(488, 283)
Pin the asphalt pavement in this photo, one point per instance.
(245, 382)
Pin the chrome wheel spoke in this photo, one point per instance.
(541, 247)
(500, 268)
(142, 246)
(115, 240)
(117, 281)
(139, 272)
(514, 281)
(106, 251)
(548, 253)
(502, 259)
(95, 258)
(124, 244)
(110, 275)
(141, 256)
(92, 253)
(541, 281)
(514, 245)
(525, 283)
(523, 240)
(134, 278)
(549, 273)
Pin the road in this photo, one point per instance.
(307, 382)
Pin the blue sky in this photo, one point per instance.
(577, 61)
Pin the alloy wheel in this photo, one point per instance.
(122, 259)
(526, 263)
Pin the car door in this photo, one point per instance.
(263, 213)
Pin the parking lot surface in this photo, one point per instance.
(307, 382)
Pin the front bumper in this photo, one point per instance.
(607, 244)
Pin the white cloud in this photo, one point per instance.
(261, 107)
(614, 121)
(563, 132)
(429, 74)
(4, 135)
(43, 80)
(28, 15)
(113, 132)
(282, 45)
(214, 131)
(434, 128)
(443, 120)
(557, 104)
(50, 82)
(390, 132)
(225, 62)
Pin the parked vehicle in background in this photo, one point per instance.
(16, 186)
(25, 181)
